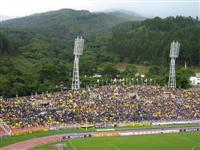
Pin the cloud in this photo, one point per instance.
(162, 8)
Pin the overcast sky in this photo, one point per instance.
(162, 8)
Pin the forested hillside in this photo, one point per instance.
(148, 42)
(36, 52)
(6, 45)
(68, 22)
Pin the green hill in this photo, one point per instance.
(69, 22)
(127, 15)
(148, 42)
(36, 52)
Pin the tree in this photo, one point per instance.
(88, 65)
(110, 70)
(158, 70)
(6, 45)
(4, 85)
(183, 76)
(130, 70)
(159, 74)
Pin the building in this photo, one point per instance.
(96, 75)
(196, 79)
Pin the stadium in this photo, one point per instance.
(111, 117)
(128, 84)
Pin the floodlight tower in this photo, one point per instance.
(78, 51)
(174, 53)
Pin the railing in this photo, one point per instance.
(5, 128)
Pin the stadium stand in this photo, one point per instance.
(111, 104)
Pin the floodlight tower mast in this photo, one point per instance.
(174, 53)
(78, 51)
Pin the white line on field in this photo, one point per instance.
(74, 148)
(64, 144)
(115, 146)
(194, 147)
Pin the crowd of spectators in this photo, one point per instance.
(114, 104)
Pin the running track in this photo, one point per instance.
(25, 145)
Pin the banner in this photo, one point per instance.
(105, 134)
(77, 136)
(25, 131)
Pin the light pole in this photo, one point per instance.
(78, 51)
(174, 53)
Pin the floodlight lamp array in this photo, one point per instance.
(174, 49)
(78, 46)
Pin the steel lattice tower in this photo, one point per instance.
(78, 51)
(174, 53)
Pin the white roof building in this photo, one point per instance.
(97, 75)
(195, 80)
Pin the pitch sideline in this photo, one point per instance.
(194, 147)
(70, 142)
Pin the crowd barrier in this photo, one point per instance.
(190, 130)
(176, 122)
(30, 130)
(87, 126)
(64, 126)
(146, 132)
(105, 134)
(138, 124)
(25, 131)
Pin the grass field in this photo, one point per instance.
(14, 139)
(142, 69)
(178, 141)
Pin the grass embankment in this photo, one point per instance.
(142, 69)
